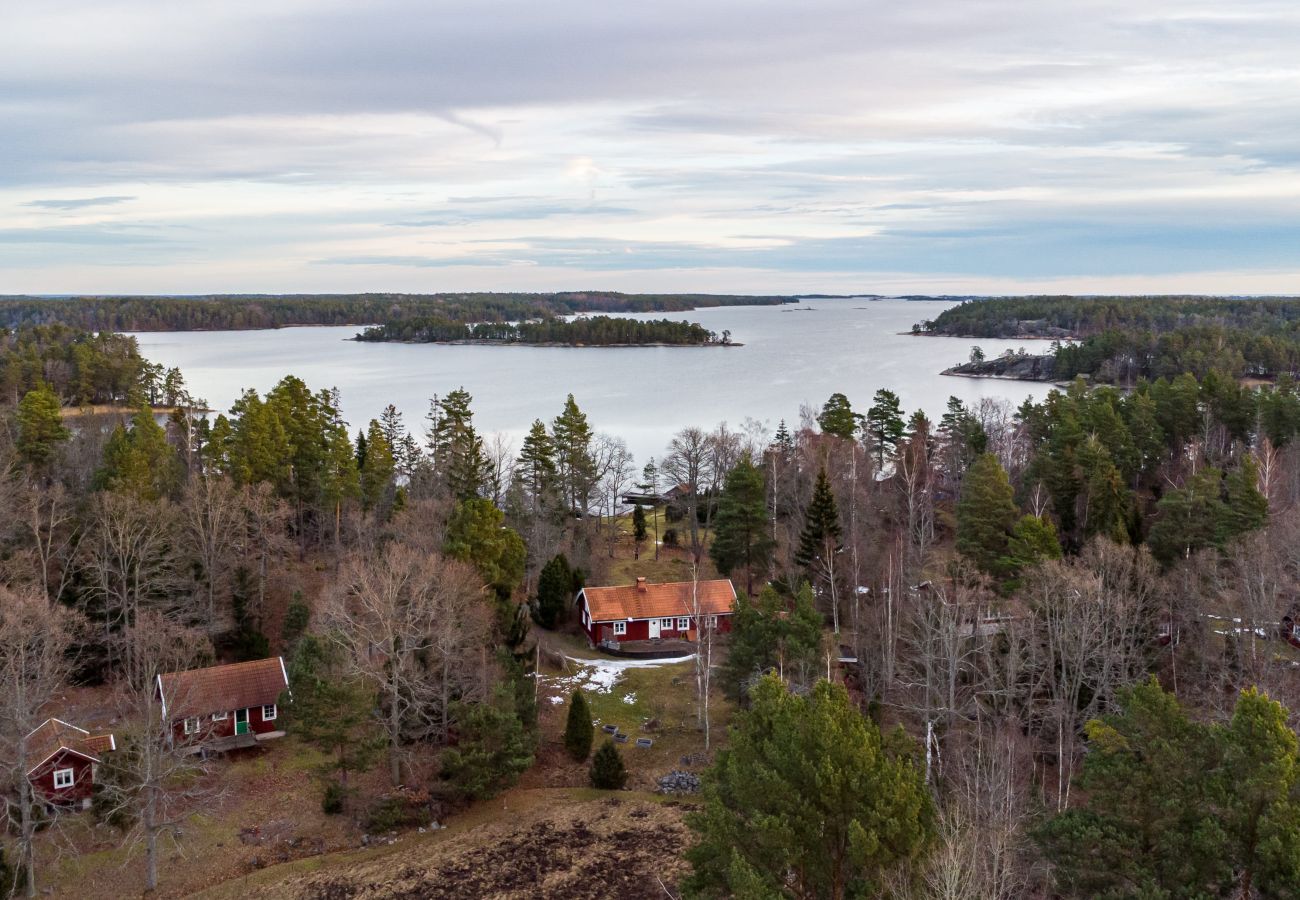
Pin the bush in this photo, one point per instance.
(13, 878)
(607, 770)
(554, 592)
(400, 809)
(578, 730)
(296, 618)
(493, 748)
(670, 537)
(335, 796)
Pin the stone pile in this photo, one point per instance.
(679, 782)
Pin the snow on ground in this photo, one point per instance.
(600, 675)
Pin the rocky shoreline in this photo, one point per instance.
(1028, 367)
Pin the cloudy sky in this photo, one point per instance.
(719, 145)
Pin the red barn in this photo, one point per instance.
(67, 759)
(647, 612)
(225, 707)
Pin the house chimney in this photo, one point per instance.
(640, 585)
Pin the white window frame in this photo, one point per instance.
(192, 725)
(713, 621)
(221, 716)
(274, 712)
(683, 623)
(620, 628)
(60, 774)
(667, 625)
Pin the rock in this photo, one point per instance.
(679, 782)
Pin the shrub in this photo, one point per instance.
(607, 770)
(578, 730)
(670, 537)
(400, 809)
(492, 751)
(331, 803)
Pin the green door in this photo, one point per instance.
(241, 721)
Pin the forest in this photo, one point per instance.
(1120, 340)
(1064, 629)
(597, 331)
(236, 312)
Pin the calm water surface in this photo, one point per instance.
(791, 356)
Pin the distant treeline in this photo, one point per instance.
(1122, 339)
(593, 331)
(245, 311)
(82, 368)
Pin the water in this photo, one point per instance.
(790, 357)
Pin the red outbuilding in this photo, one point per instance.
(67, 760)
(225, 707)
(645, 612)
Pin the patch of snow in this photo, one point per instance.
(600, 675)
(630, 699)
(557, 700)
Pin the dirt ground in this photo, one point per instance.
(546, 843)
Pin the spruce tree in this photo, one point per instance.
(821, 530)
(555, 591)
(986, 513)
(578, 730)
(536, 468)
(571, 434)
(607, 770)
(456, 447)
(376, 468)
(742, 538)
(884, 423)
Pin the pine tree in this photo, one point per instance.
(455, 446)
(808, 800)
(741, 537)
(476, 535)
(986, 513)
(837, 418)
(884, 424)
(607, 770)
(770, 634)
(571, 435)
(493, 750)
(578, 730)
(139, 461)
(821, 530)
(1244, 507)
(376, 467)
(536, 469)
(332, 712)
(40, 426)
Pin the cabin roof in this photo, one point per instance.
(200, 692)
(53, 736)
(645, 600)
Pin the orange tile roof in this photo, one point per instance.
(645, 600)
(201, 692)
(54, 735)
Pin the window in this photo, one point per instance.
(268, 712)
(64, 778)
(192, 725)
(620, 628)
(667, 625)
(683, 623)
(713, 621)
(220, 717)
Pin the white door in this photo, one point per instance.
(654, 629)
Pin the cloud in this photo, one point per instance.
(77, 202)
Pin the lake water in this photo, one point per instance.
(791, 356)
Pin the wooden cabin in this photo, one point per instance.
(226, 707)
(646, 612)
(66, 761)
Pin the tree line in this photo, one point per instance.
(585, 330)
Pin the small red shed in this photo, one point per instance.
(645, 611)
(66, 761)
(225, 707)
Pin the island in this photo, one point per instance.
(584, 331)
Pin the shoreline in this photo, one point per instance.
(579, 346)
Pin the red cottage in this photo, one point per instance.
(66, 758)
(645, 611)
(225, 707)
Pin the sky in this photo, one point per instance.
(933, 146)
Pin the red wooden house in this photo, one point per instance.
(225, 707)
(66, 761)
(647, 612)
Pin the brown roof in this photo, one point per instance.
(644, 600)
(54, 735)
(201, 692)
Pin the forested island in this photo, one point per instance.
(584, 331)
(249, 311)
(1120, 340)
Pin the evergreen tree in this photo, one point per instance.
(1033, 540)
(333, 712)
(769, 634)
(139, 461)
(607, 770)
(536, 469)
(376, 467)
(455, 447)
(578, 730)
(741, 537)
(1244, 507)
(821, 530)
(476, 535)
(808, 800)
(884, 424)
(986, 513)
(1188, 518)
(639, 528)
(837, 418)
(571, 435)
(493, 750)
(555, 591)
(40, 426)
